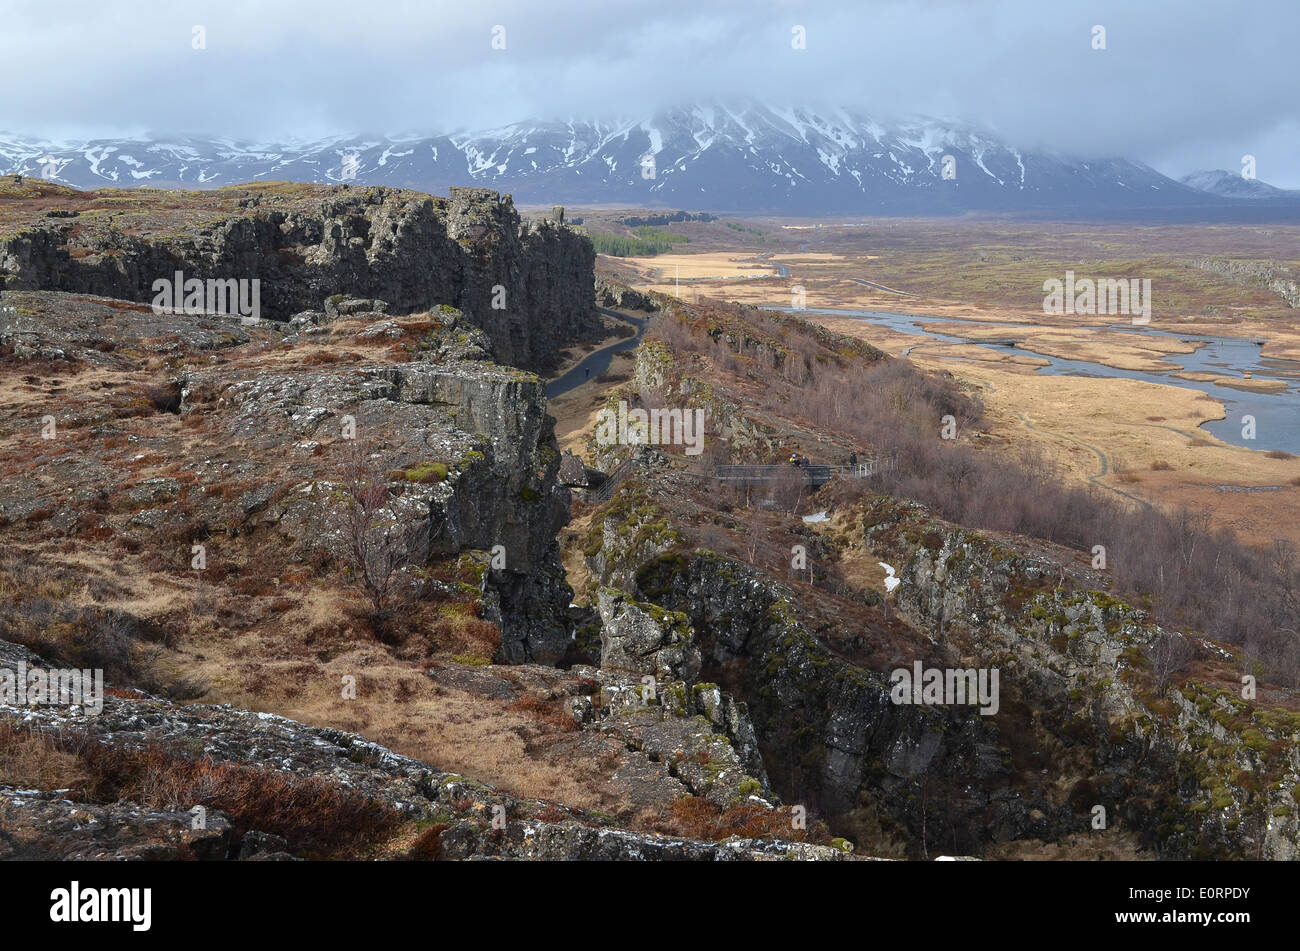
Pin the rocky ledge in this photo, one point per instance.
(269, 788)
(526, 284)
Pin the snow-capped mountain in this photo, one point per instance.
(1231, 185)
(747, 157)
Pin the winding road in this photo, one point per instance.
(880, 287)
(598, 361)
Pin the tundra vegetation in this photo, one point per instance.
(1189, 572)
(201, 524)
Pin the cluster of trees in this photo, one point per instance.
(646, 242)
(1192, 574)
(637, 221)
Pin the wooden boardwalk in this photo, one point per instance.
(814, 475)
(748, 476)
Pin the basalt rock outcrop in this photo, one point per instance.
(1084, 727)
(683, 734)
(829, 734)
(613, 294)
(527, 284)
(644, 640)
(412, 809)
(490, 426)
(1181, 761)
(829, 731)
(466, 445)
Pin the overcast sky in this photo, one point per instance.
(1182, 84)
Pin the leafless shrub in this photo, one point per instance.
(1168, 654)
(372, 536)
(788, 489)
(1190, 573)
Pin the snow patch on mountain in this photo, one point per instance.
(744, 156)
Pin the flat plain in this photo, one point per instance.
(983, 281)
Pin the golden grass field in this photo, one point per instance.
(1137, 438)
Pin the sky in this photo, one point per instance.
(1180, 85)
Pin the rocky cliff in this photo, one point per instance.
(527, 284)
(466, 444)
(1178, 756)
(1187, 768)
(829, 733)
(148, 779)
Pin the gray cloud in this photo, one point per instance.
(1180, 85)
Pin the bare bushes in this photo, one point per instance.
(377, 542)
(1189, 573)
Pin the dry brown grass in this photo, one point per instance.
(550, 713)
(33, 760)
(319, 819)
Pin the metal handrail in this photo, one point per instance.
(605, 491)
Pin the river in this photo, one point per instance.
(1277, 415)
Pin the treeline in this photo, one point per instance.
(637, 221)
(646, 242)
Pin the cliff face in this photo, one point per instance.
(1187, 765)
(490, 423)
(527, 284)
(1086, 727)
(829, 733)
(249, 445)
(273, 789)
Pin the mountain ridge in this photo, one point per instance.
(1233, 185)
(736, 158)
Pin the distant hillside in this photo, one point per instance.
(1231, 185)
(719, 157)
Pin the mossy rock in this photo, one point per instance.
(426, 472)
